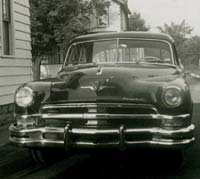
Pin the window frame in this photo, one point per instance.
(174, 59)
(107, 18)
(11, 44)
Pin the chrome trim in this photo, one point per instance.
(95, 131)
(52, 143)
(103, 116)
(163, 143)
(99, 105)
(67, 138)
(122, 137)
(158, 137)
(101, 131)
(172, 142)
(162, 131)
(92, 105)
(36, 142)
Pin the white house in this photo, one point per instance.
(116, 18)
(15, 47)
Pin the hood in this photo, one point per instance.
(138, 83)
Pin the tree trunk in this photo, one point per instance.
(36, 68)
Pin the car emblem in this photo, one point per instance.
(95, 86)
(99, 71)
(98, 85)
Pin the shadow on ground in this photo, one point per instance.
(129, 164)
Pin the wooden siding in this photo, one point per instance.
(6, 99)
(16, 69)
(0, 44)
(1, 28)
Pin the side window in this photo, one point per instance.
(105, 51)
(166, 56)
(160, 53)
(6, 23)
(73, 56)
(82, 54)
(78, 54)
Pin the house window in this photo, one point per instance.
(103, 20)
(6, 26)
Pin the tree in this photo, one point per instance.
(192, 52)
(137, 23)
(179, 32)
(55, 22)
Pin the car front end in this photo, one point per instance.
(97, 129)
(112, 104)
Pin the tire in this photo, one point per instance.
(175, 158)
(171, 160)
(46, 155)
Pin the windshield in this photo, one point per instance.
(120, 51)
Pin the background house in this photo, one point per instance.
(15, 49)
(116, 18)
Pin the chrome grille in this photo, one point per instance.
(101, 114)
(110, 108)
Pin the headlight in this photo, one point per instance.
(24, 97)
(172, 96)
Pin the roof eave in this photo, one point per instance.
(123, 4)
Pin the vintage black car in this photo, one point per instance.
(115, 90)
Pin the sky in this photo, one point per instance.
(158, 12)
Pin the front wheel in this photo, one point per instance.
(47, 155)
(170, 160)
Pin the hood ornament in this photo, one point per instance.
(99, 71)
(95, 86)
(98, 85)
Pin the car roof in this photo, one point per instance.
(130, 34)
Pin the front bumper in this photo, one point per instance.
(103, 137)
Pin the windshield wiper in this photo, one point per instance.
(158, 64)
